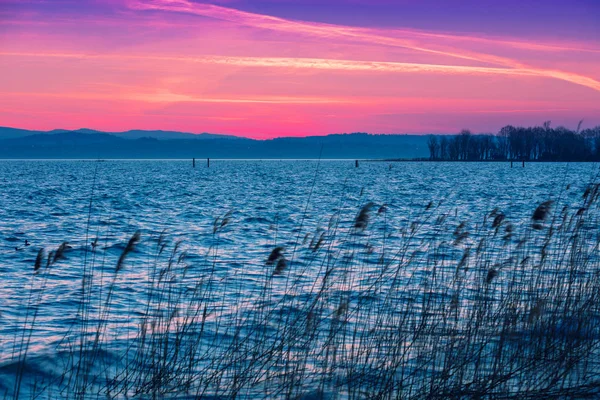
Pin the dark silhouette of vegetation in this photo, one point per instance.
(496, 313)
(540, 143)
(454, 307)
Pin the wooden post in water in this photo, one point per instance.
(356, 164)
(523, 163)
(193, 162)
(511, 163)
(208, 163)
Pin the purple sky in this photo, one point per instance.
(551, 19)
(288, 67)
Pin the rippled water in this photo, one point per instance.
(270, 203)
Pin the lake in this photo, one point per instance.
(297, 279)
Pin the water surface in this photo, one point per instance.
(266, 204)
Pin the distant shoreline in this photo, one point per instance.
(533, 144)
(202, 161)
(482, 161)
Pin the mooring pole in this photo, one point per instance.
(356, 163)
(511, 163)
(194, 162)
(523, 163)
(208, 163)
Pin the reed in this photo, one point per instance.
(453, 309)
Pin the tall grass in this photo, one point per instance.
(453, 309)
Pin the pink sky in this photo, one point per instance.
(199, 67)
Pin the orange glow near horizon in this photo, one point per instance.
(196, 67)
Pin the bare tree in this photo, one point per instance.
(432, 144)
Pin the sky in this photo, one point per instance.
(271, 68)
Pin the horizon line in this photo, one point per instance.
(58, 130)
(225, 135)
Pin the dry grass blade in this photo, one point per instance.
(59, 254)
(220, 222)
(498, 220)
(459, 229)
(319, 243)
(306, 238)
(39, 259)
(341, 309)
(541, 212)
(491, 274)
(460, 237)
(362, 219)
(281, 266)
(50, 258)
(226, 219)
(275, 255)
(464, 259)
(135, 239)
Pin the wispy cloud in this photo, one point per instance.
(332, 64)
(325, 31)
(408, 39)
(170, 97)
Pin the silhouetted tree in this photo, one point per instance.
(541, 143)
(444, 148)
(432, 144)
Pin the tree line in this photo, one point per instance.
(540, 143)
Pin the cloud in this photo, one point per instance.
(169, 97)
(333, 64)
(409, 39)
(325, 31)
(406, 38)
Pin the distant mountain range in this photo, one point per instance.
(92, 144)
(14, 133)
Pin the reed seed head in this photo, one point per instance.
(275, 255)
(38, 260)
(362, 219)
(541, 212)
(128, 249)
